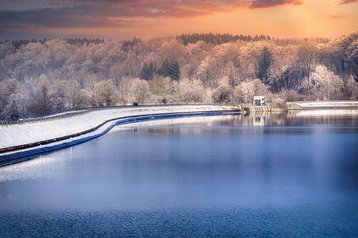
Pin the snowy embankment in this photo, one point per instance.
(323, 104)
(32, 132)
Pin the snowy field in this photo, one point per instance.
(326, 104)
(326, 113)
(29, 132)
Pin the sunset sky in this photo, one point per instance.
(123, 19)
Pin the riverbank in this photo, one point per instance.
(309, 105)
(293, 176)
(21, 141)
(279, 105)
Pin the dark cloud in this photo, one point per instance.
(108, 13)
(113, 13)
(347, 1)
(273, 3)
(63, 17)
(338, 17)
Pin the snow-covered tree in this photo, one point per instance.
(64, 74)
(57, 96)
(246, 91)
(106, 93)
(16, 107)
(134, 90)
(323, 84)
(191, 91)
(223, 93)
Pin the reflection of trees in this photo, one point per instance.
(323, 117)
(297, 118)
(265, 119)
(202, 126)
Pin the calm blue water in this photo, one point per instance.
(230, 176)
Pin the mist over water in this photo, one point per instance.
(283, 175)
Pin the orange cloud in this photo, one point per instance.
(347, 1)
(128, 18)
(337, 17)
(273, 3)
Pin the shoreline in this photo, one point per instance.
(43, 129)
(58, 132)
(19, 153)
(283, 106)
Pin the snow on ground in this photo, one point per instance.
(326, 112)
(29, 132)
(321, 104)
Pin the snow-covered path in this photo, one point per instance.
(30, 132)
(306, 105)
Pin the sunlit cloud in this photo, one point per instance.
(347, 1)
(92, 13)
(273, 3)
(159, 17)
(338, 17)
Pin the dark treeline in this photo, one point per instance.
(40, 77)
(74, 41)
(218, 39)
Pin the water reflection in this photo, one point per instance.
(301, 166)
(301, 118)
(285, 120)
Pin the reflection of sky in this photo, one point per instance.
(190, 163)
(34, 168)
(299, 118)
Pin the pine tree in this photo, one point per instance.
(170, 69)
(263, 64)
(147, 71)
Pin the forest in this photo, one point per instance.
(42, 77)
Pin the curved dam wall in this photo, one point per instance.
(58, 127)
(29, 151)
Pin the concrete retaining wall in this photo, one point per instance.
(30, 151)
(303, 105)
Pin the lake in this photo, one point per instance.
(268, 175)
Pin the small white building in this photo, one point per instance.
(260, 101)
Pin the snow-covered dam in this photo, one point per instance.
(22, 141)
